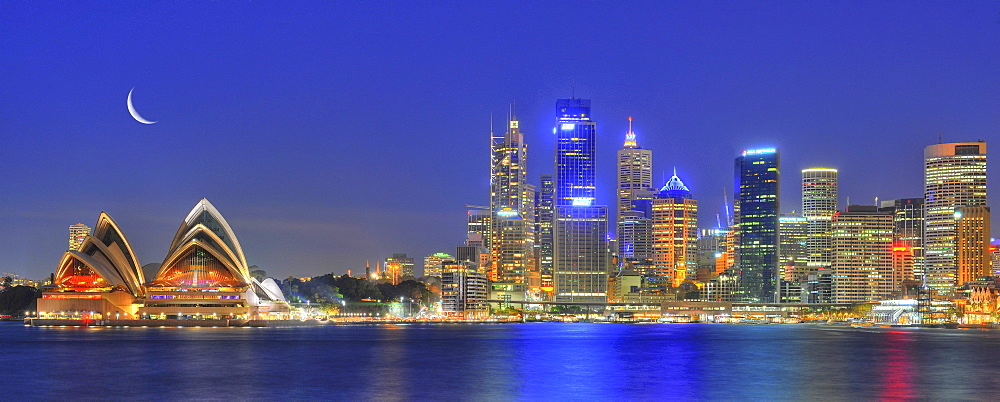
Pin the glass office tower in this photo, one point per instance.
(756, 219)
(582, 260)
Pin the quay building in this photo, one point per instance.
(204, 275)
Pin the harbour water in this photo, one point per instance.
(534, 361)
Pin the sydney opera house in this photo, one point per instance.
(204, 275)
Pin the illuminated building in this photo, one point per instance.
(756, 211)
(544, 212)
(77, 233)
(100, 275)
(862, 255)
(474, 252)
(635, 239)
(954, 176)
(635, 182)
(818, 287)
(902, 268)
(908, 231)
(464, 290)
(432, 263)
(972, 243)
(582, 261)
(205, 274)
(819, 203)
(711, 253)
(675, 233)
(794, 253)
(623, 282)
(479, 226)
(995, 252)
(512, 234)
(398, 268)
(725, 287)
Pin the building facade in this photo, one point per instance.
(77, 233)
(398, 268)
(819, 203)
(908, 232)
(635, 179)
(675, 233)
(756, 210)
(464, 291)
(581, 257)
(972, 243)
(544, 212)
(433, 263)
(794, 237)
(954, 176)
(635, 239)
(512, 234)
(862, 262)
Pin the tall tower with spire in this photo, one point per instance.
(512, 221)
(635, 182)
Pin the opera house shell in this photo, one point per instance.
(204, 275)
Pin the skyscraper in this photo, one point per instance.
(635, 179)
(77, 234)
(972, 243)
(862, 262)
(544, 211)
(954, 176)
(512, 234)
(675, 233)
(756, 211)
(819, 203)
(794, 237)
(580, 230)
(908, 235)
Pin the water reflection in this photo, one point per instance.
(502, 362)
(897, 368)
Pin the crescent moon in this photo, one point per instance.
(131, 110)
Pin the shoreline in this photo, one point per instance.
(40, 322)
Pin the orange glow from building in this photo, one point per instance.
(901, 248)
(58, 296)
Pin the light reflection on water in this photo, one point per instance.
(504, 361)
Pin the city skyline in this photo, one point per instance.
(247, 143)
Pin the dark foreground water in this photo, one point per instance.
(499, 362)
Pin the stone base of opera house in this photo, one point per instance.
(56, 322)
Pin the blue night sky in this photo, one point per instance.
(329, 133)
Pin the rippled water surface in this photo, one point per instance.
(499, 362)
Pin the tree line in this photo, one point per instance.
(15, 300)
(330, 289)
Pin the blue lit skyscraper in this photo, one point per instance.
(575, 153)
(581, 248)
(756, 218)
